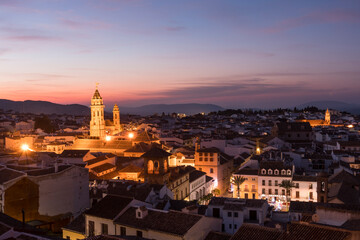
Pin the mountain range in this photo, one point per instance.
(44, 107)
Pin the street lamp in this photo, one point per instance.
(131, 135)
(25, 147)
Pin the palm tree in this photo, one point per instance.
(237, 181)
(287, 185)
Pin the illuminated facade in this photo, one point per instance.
(98, 126)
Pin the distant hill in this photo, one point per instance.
(39, 107)
(340, 106)
(189, 109)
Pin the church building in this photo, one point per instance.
(319, 122)
(98, 126)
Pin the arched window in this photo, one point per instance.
(165, 165)
(197, 195)
(276, 172)
(283, 172)
(203, 191)
(156, 167)
(270, 172)
(150, 167)
(288, 172)
(263, 171)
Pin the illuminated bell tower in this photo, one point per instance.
(327, 117)
(116, 118)
(97, 123)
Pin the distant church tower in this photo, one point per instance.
(327, 117)
(116, 119)
(97, 123)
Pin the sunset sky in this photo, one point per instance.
(230, 53)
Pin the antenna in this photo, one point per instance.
(97, 85)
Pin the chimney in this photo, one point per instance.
(56, 165)
(141, 212)
(278, 226)
(23, 217)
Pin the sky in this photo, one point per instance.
(235, 54)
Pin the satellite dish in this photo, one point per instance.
(315, 218)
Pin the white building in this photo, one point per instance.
(271, 174)
(235, 212)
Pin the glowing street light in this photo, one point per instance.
(350, 126)
(25, 147)
(108, 138)
(131, 135)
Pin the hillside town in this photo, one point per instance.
(233, 174)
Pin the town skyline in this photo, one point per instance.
(235, 55)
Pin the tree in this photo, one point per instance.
(216, 192)
(44, 123)
(287, 185)
(237, 181)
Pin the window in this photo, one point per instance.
(253, 179)
(200, 158)
(263, 182)
(310, 186)
(253, 195)
(283, 191)
(246, 195)
(270, 183)
(263, 191)
(211, 159)
(200, 169)
(123, 231)
(276, 172)
(270, 192)
(297, 194)
(235, 226)
(68, 237)
(311, 196)
(230, 226)
(288, 172)
(206, 159)
(139, 234)
(296, 185)
(104, 228)
(276, 192)
(270, 172)
(283, 172)
(263, 171)
(211, 170)
(276, 182)
(229, 214)
(236, 214)
(91, 228)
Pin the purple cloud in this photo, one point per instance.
(33, 38)
(77, 24)
(334, 16)
(175, 29)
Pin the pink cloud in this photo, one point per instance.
(334, 16)
(78, 24)
(30, 38)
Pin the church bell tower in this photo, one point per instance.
(97, 123)
(327, 117)
(116, 118)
